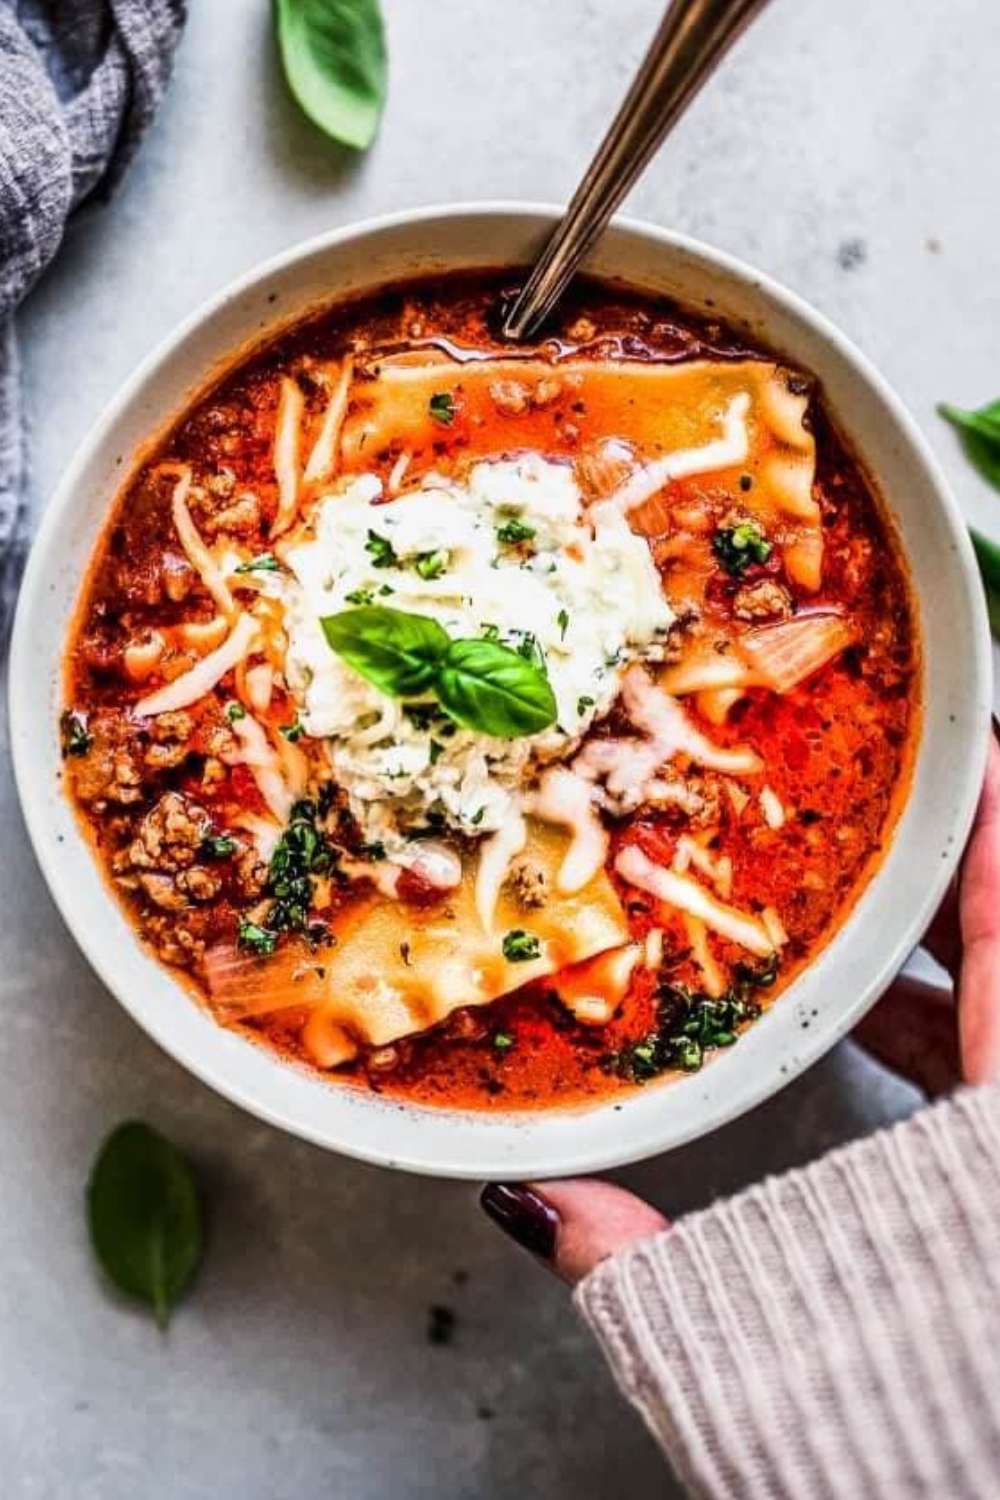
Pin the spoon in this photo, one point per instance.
(693, 37)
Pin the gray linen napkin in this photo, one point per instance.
(79, 81)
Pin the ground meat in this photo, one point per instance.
(200, 884)
(169, 836)
(161, 889)
(109, 772)
(241, 518)
(170, 733)
(251, 873)
(174, 943)
(527, 884)
(764, 600)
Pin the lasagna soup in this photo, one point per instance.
(494, 726)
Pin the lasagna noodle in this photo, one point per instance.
(388, 976)
(657, 410)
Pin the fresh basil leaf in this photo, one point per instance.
(490, 688)
(333, 54)
(988, 557)
(395, 651)
(145, 1217)
(980, 436)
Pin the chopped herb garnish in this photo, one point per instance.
(514, 531)
(477, 817)
(235, 711)
(490, 632)
(432, 564)
(256, 939)
(689, 1025)
(442, 407)
(583, 703)
(737, 547)
(520, 946)
(360, 596)
(436, 751)
(375, 850)
(292, 732)
(381, 551)
(76, 738)
(421, 715)
(529, 648)
(562, 620)
(265, 563)
(503, 1041)
(217, 846)
(301, 852)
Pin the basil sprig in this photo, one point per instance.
(479, 683)
(333, 54)
(145, 1217)
(988, 557)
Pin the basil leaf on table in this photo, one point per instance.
(395, 651)
(145, 1217)
(490, 688)
(334, 57)
(980, 431)
(988, 557)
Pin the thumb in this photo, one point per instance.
(570, 1225)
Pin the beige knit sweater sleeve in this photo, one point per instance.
(833, 1334)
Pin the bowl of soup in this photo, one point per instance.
(490, 759)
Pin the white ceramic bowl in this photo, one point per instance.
(821, 1005)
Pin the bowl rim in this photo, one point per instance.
(751, 1088)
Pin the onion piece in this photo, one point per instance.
(195, 550)
(324, 454)
(686, 895)
(204, 675)
(287, 441)
(779, 657)
(782, 656)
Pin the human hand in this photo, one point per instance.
(933, 1037)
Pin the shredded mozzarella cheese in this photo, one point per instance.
(203, 676)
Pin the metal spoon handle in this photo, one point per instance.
(693, 37)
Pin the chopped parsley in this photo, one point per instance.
(432, 564)
(583, 703)
(381, 551)
(477, 817)
(265, 563)
(367, 596)
(217, 846)
(562, 620)
(374, 850)
(689, 1025)
(736, 547)
(301, 853)
(442, 407)
(422, 715)
(292, 732)
(502, 1041)
(256, 939)
(76, 738)
(436, 751)
(519, 946)
(529, 648)
(235, 711)
(514, 531)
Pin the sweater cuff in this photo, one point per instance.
(833, 1332)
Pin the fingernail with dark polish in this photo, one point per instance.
(523, 1214)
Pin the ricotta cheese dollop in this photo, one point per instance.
(508, 551)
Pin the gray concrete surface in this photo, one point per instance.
(851, 150)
